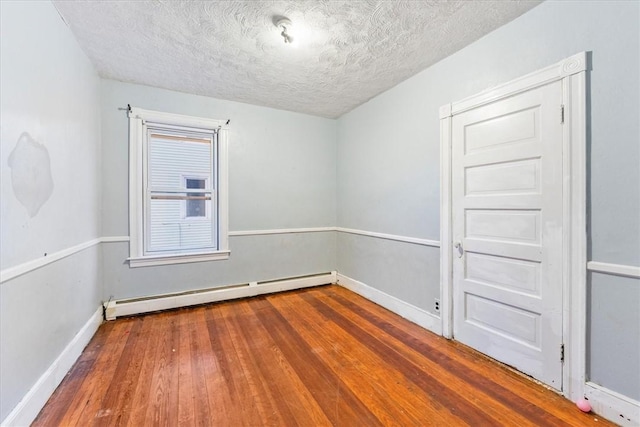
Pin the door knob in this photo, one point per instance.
(459, 248)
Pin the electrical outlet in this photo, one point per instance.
(437, 305)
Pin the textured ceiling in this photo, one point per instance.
(346, 52)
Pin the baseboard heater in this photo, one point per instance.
(128, 307)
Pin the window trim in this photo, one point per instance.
(138, 118)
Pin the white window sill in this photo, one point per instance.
(151, 260)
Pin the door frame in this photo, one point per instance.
(572, 71)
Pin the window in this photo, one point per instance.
(196, 206)
(177, 189)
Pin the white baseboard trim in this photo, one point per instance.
(410, 312)
(615, 269)
(31, 404)
(613, 406)
(405, 239)
(130, 307)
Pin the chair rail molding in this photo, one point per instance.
(614, 269)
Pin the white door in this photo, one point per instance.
(507, 211)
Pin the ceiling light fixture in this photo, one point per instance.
(285, 25)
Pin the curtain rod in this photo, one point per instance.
(128, 109)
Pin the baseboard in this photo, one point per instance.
(31, 404)
(613, 406)
(130, 307)
(410, 312)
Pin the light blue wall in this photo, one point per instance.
(253, 258)
(281, 175)
(376, 169)
(49, 90)
(614, 322)
(388, 157)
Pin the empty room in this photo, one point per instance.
(311, 213)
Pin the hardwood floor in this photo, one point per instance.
(314, 357)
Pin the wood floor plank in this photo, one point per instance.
(254, 341)
(480, 371)
(142, 393)
(259, 408)
(234, 370)
(325, 386)
(446, 378)
(187, 403)
(163, 399)
(361, 369)
(290, 396)
(62, 398)
(314, 357)
(85, 405)
(211, 391)
(459, 406)
(115, 405)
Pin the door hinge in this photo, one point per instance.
(562, 114)
(562, 353)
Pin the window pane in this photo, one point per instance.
(169, 230)
(180, 220)
(196, 206)
(171, 160)
(195, 183)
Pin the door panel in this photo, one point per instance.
(509, 322)
(507, 216)
(521, 177)
(505, 273)
(505, 225)
(496, 132)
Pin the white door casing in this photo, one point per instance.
(488, 242)
(507, 231)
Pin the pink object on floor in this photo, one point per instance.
(583, 405)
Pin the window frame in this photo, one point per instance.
(138, 165)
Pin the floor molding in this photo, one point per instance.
(32, 402)
(410, 312)
(613, 406)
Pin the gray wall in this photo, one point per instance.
(49, 90)
(388, 164)
(281, 175)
